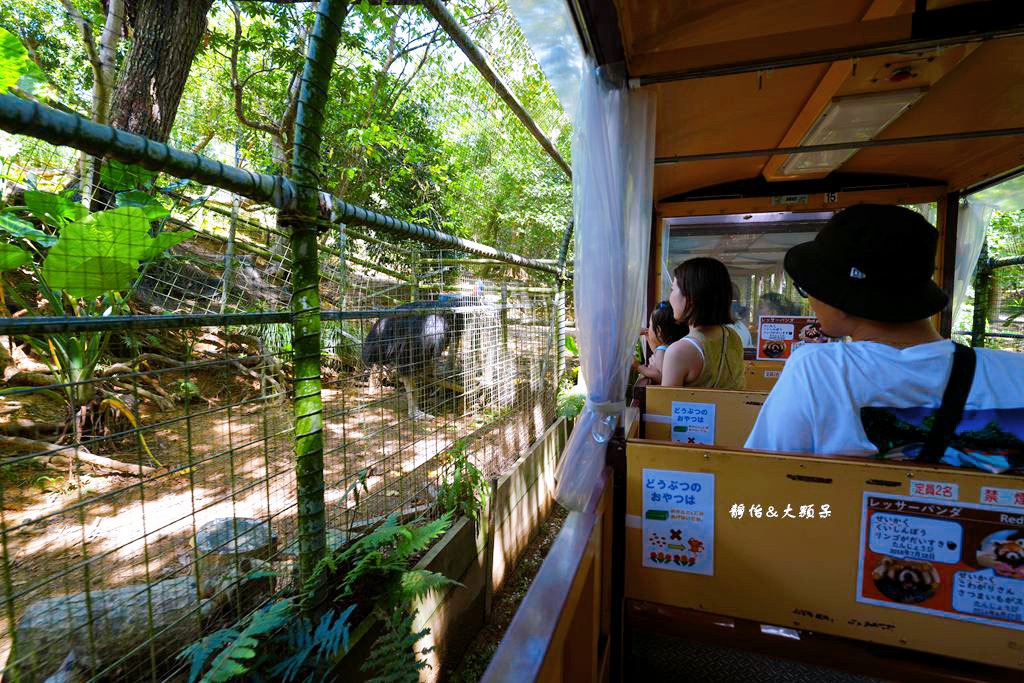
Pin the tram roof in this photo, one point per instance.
(777, 67)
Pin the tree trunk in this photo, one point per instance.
(166, 34)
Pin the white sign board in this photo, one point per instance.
(693, 422)
(679, 521)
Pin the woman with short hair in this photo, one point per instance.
(711, 355)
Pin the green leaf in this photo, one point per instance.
(150, 205)
(13, 59)
(570, 345)
(116, 234)
(164, 241)
(34, 81)
(89, 278)
(118, 177)
(419, 582)
(19, 227)
(53, 209)
(12, 257)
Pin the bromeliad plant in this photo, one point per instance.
(85, 265)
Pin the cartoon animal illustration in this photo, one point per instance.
(811, 332)
(774, 349)
(906, 580)
(696, 546)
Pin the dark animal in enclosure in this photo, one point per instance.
(413, 339)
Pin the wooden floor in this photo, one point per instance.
(658, 657)
(690, 645)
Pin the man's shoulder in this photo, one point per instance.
(819, 355)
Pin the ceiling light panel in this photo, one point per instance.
(853, 118)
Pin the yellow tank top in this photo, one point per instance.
(723, 360)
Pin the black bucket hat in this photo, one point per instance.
(874, 261)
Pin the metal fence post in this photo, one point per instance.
(309, 449)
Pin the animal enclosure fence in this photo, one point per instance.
(189, 414)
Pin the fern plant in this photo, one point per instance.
(382, 557)
(393, 655)
(464, 490)
(281, 642)
(272, 632)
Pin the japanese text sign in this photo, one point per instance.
(679, 521)
(693, 422)
(779, 335)
(953, 560)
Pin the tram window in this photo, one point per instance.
(752, 247)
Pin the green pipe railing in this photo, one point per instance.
(70, 130)
(301, 221)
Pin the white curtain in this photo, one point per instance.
(972, 223)
(666, 265)
(612, 166)
(975, 215)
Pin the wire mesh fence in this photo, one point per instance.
(149, 490)
(149, 445)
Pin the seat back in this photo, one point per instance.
(761, 375)
(909, 557)
(700, 416)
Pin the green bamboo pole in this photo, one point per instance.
(560, 306)
(982, 282)
(301, 223)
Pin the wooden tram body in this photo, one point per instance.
(738, 85)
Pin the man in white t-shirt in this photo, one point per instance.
(868, 276)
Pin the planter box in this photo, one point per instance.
(478, 559)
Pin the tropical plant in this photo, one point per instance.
(300, 637)
(381, 559)
(89, 266)
(463, 490)
(393, 656)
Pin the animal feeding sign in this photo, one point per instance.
(693, 423)
(679, 521)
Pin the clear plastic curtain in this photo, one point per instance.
(549, 28)
(612, 165)
(666, 264)
(975, 215)
(972, 223)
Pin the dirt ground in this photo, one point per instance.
(231, 455)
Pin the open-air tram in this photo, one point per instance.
(770, 116)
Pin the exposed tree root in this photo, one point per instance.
(31, 428)
(21, 378)
(61, 456)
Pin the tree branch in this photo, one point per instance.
(111, 36)
(401, 87)
(300, 2)
(88, 42)
(236, 85)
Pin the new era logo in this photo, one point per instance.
(854, 273)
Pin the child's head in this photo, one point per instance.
(664, 327)
(702, 292)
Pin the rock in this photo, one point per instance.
(54, 634)
(53, 639)
(224, 544)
